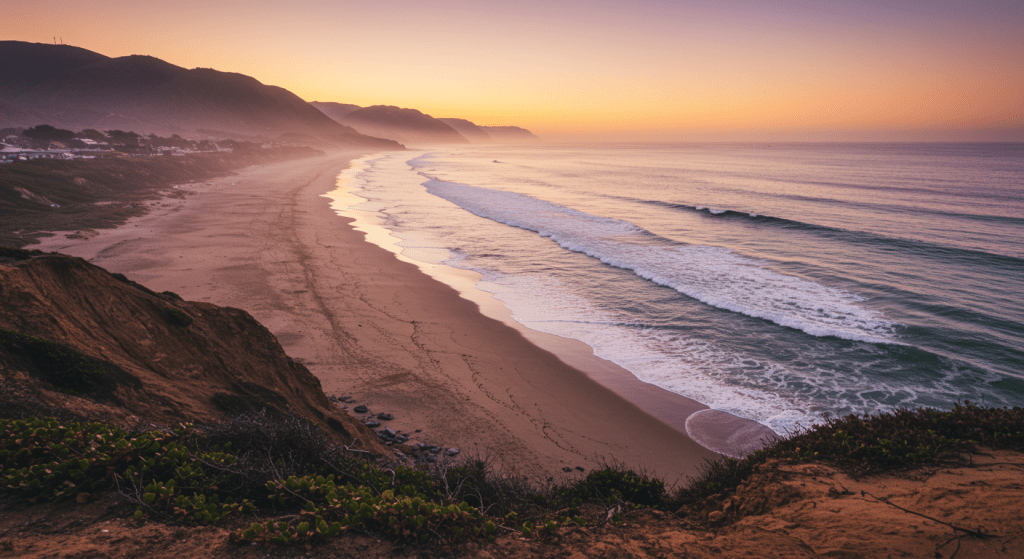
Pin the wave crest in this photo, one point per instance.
(713, 275)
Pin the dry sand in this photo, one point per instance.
(370, 326)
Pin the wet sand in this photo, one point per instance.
(379, 330)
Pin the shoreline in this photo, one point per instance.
(376, 328)
(718, 431)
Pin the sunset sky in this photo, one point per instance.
(856, 70)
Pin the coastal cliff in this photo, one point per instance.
(81, 343)
(145, 356)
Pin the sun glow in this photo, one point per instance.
(565, 68)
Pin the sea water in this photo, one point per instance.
(780, 283)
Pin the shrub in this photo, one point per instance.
(626, 485)
(401, 512)
(288, 466)
(476, 482)
(53, 460)
(18, 253)
(184, 476)
(869, 444)
(177, 317)
(124, 279)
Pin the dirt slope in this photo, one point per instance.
(785, 511)
(813, 510)
(165, 369)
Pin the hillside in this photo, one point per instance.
(27, 64)
(471, 131)
(73, 88)
(402, 125)
(512, 134)
(411, 125)
(78, 342)
(131, 355)
(336, 111)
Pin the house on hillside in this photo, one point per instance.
(87, 143)
(9, 153)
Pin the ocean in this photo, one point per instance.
(782, 283)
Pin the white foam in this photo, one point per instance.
(784, 396)
(728, 434)
(713, 275)
(682, 364)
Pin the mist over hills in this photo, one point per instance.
(336, 111)
(402, 125)
(509, 133)
(470, 131)
(74, 88)
(413, 126)
(71, 87)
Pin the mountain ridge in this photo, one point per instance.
(402, 125)
(509, 133)
(74, 88)
(411, 125)
(469, 130)
(336, 111)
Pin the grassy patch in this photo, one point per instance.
(285, 468)
(870, 444)
(198, 476)
(66, 369)
(18, 253)
(177, 317)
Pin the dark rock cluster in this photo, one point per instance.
(395, 438)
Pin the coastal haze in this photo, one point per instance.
(795, 72)
(695, 70)
(550, 235)
(783, 283)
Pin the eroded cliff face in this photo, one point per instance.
(133, 355)
(150, 356)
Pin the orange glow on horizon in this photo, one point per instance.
(566, 69)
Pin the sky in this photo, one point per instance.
(892, 70)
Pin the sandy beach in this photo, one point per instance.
(379, 330)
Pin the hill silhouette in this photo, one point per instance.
(27, 65)
(74, 88)
(470, 131)
(402, 125)
(336, 111)
(509, 134)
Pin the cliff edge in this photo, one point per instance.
(77, 338)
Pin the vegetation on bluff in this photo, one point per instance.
(280, 480)
(870, 444)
